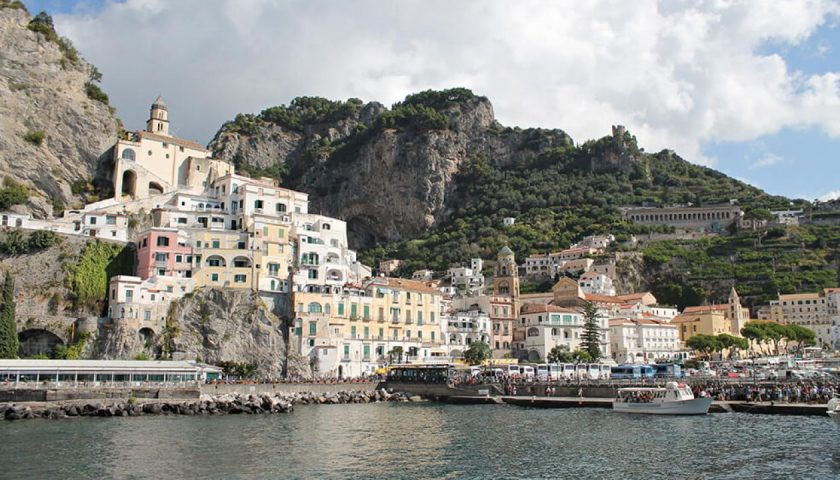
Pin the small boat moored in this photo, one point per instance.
(834, 409)
(673, 399)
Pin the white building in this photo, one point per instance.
(423, 275)
(143, 304)
(644, 340)
(596, 283)
(468, 278)
(509, 221)
(463, 327)
(542, 327)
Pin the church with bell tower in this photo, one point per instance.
(506, 277)
(153, 162)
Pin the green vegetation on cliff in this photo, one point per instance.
(9, 343)
(88, 279)
(556, 199)
(759, 264)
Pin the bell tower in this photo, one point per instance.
(158, 122)
(506, 277)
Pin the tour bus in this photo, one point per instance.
(549, 371)
(597, 371)
(526, 371)
(668, 370)
(632, 371)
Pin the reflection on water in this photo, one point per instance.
(423, 441)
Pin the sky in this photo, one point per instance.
(751, 88)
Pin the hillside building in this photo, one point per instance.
(713, 218)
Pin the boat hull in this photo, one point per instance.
(695, 406)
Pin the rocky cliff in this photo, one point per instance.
(215, 326)
(55, 122)
(388, 173)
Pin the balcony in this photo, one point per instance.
(354, 318)
(381, 319)
(366, 318)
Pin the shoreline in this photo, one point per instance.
(224, 404)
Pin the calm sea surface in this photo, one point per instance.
(423, 441)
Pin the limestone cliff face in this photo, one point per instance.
(390, 177)
(217, 325)
(41, 90)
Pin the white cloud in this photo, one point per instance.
(767, 160)
(829, 196)
(677, 74)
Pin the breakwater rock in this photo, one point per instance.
(205, 405)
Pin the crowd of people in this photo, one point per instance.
(793, 392)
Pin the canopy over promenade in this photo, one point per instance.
(99, 373)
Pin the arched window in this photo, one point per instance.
(314, 307)
(533, 332)
(128, 154)
(327, 308)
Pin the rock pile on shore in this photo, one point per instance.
(206, 405)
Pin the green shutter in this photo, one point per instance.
(341, 309)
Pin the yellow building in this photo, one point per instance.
(352, 330)
(709, 322)
(224, 259)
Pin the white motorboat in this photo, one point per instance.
(674, 399)
(834, 409)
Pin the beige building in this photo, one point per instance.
(150, 162)
(386, 319)
(815, 311)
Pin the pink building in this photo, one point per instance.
(164, 252)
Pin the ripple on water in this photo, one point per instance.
(424, 441)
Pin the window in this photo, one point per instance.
(258, 204)
(367, 333)
(162, 241)
(215, 244)
(147, 315)
(273, 269)
(160, 257)
(313, 274)
(240, 278)
(178, 258)
(366, 311)
(93, 220)
(347, 352)
(128, 154)
(281, 207)
(314, 307)
(182, 220)
(432, 317)
(313, 328)
(129, 296)
(381, 333)
(433, 335)
(419, 318)
(214, 277)
(110, 219)
(366, 352)
(341, 309)
(354, 310)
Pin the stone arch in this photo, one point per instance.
(155, 188)
(534, 356)
(129, 183)
(146, 335)
(37, 341)
(456, 353)
(241, 262)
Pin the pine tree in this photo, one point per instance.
(9, 343)
(590, 339)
